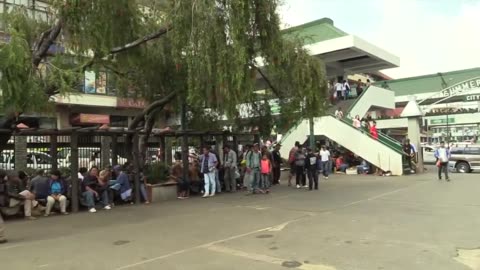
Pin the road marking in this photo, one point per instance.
(265, 258)
(469, 257)
(207, 245)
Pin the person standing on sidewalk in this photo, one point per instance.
(230, 167)
(291, 161)
(3, 203)
(208, 167)
(442, 154)
(311, 165)
(300, 167)
(325, 161)
(266, 170)
(277, 163)
(253, 167)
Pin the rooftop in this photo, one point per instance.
(428, 83)
(315, 31)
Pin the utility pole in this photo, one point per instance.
(184, 141)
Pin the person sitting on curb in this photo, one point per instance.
(19, 195)
(92, 190)
(57, 193)
(341, 165)
(121, 183)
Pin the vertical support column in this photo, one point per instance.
(20, 153)
(168, 150)
(136, 168)
(256, 138)
(414, 136)
(312, 134)
(219, 142)
(105, 151)
(235, 144)
(114, 145)
(74, 171)
(54, 151)
(184, 142)
(162, 155)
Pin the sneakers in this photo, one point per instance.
(206, 195)
(298, 186)
(92, 210)
(213, 194)
(326, 177)
(108, 207)
(46, 215)
(30, 218)
(65, 213)
(306, 186)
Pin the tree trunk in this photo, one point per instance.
(146, 115)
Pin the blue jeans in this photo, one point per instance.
(255, 176)
(343, 167)
(210, 182)
(89, 197)
(325, 168)
(265, 181)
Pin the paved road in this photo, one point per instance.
(353, 222)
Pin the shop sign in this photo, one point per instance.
(87, 118)
(131, 103)
(461, 87)
(442, 121)
(472, 98)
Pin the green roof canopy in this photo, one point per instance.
(428, 83)
(315, 31)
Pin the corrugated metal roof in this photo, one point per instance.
(428, 83)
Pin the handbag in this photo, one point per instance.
(438, 164)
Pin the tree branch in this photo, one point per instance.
(46, 41)
(267, 80)
(142, 40)
(152, 107)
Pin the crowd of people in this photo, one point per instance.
(341, 89)
(366, 124)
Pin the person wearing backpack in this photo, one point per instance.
(253, 167)
(57, 192)
(291, 161)
(300, 167)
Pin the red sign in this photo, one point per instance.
(86, 118)
(131, 103)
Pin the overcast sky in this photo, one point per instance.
(429, 36)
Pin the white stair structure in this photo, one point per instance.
(382, 153)
(385, 153)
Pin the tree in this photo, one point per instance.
(201, 53)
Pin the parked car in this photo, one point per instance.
(465, 159)
(35, 160)
(85, 155)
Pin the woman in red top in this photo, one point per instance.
(374, 131)
(265, 170)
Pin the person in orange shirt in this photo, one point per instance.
(266, 170)
(374, 131)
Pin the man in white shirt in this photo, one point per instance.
(339, 90)
(442, 154)
(324, 161)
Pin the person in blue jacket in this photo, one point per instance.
(56, 193)
(442, 154)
